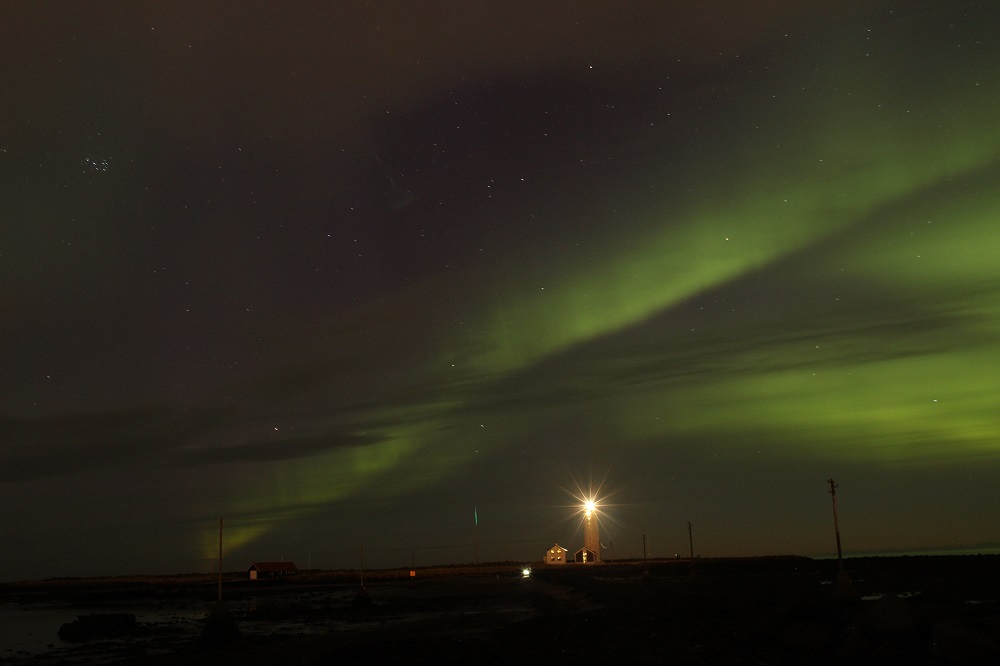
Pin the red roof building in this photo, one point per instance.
(272, 569)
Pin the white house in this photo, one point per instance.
(555, 555)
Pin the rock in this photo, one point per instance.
(959, 642)
(844, 590)
(361, 600)
(889, 615)
(810, 636)
(101, 625)
(220, 627)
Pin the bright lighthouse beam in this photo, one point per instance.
(591, 534)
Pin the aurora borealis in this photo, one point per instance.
(344, 275)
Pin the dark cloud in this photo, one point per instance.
(82, 443)
(275, 449)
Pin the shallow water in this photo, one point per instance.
(33, 629)
(30, 631)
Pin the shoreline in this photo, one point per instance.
(767, 609)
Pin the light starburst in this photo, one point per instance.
(591, 499)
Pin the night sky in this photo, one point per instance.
(363, 272)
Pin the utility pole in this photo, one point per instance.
(844, 589)
(220, 560)
(361, 598)
(690, 540)
(836, 524)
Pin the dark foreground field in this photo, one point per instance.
(907, 610)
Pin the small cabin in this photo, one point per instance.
(272, 569)
(555, 555)
(585, 556)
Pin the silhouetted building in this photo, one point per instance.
(272, 569)
(585, 556)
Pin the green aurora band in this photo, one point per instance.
(886, 194)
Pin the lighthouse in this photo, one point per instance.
(591, 551)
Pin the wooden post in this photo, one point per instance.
(836, 525)
(844, 589)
